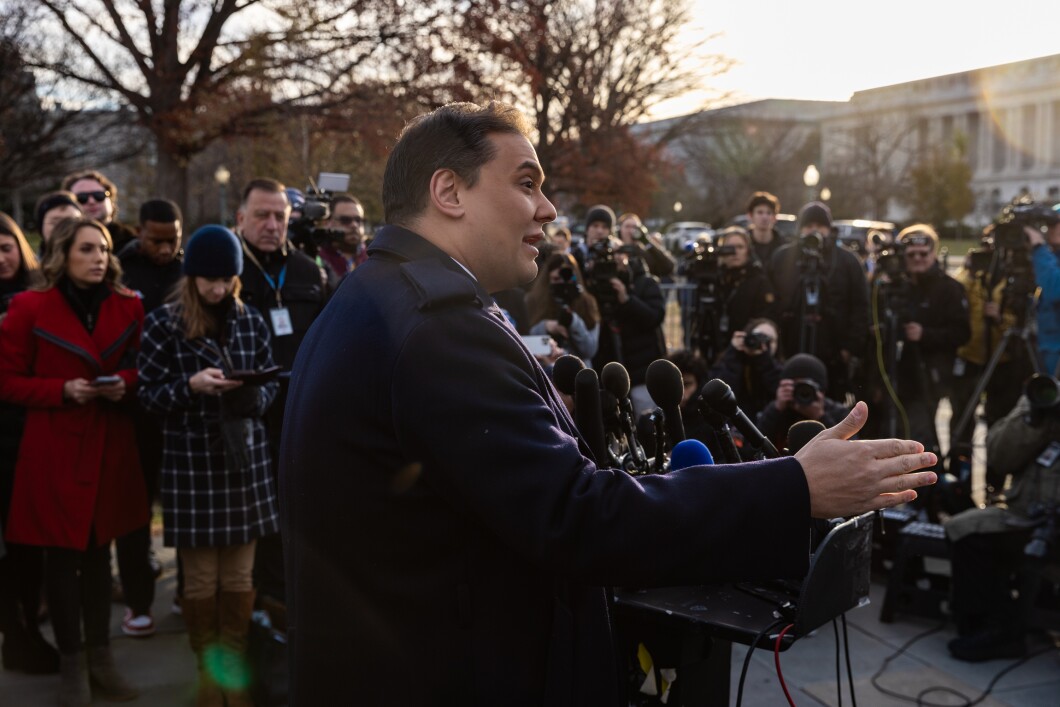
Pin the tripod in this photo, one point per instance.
(1024, 331)
(809, 306)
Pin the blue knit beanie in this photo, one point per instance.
(213, 251)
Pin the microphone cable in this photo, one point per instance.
(776, 660)
(879, 359)
(747, 658)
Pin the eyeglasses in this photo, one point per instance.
(917, 239)
(350, 220)
(99, 196)
(918, 254)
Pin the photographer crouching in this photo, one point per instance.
(632, 305)
(991, 545)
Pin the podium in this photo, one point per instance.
(693, 628)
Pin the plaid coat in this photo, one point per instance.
(203, 503)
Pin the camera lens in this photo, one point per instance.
(806, 392)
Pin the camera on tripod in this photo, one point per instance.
(811, 246)
(703, 260)
(306, 232)
(603, 267)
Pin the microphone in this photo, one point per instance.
(666, 387)
(719, 396)
(689, 452)
(802, 432)
(658, 423)
(564, 370)
(615, 379)
(587, 413)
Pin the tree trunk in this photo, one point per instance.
(171, 179)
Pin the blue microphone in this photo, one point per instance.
(689, 452)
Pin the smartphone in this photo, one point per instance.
(105, 380)
(255, 377)
(539, 344)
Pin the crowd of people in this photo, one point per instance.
(140, 367)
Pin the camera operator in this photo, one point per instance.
(750, 367)
(559, 306)
(800, 396)
(762, 210)
(934, 323)
(745, 288)
(632, 307)
(822, 297)
(989, 545)
(1045, 255)
(647, 246)
(988, 320)
(347, 216)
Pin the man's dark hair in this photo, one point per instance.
(159, 211)
(271, 186)
(456, 137)
(763, 198)
(345, 199)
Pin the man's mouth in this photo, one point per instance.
(533, 240)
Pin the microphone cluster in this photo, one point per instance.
(604, 415)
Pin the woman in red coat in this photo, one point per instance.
(67, 354)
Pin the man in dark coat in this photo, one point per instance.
(289, 289)
(833, 324)
(449, 535)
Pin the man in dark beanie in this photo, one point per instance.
(599, 224)
(822, 297)
(800, 396)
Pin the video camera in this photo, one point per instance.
(1043, 392)
(306, 232)
(566, 291)
(1023, 211)
(603, 267)
(703, 260)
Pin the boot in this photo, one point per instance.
(110, 685)
(73, 688)
(200, 616)
(235, 609)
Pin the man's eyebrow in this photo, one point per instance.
(533, 167)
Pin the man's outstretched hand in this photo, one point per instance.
(848, 477)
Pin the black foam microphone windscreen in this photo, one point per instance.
(666, 386)
(801, 433)
(564, 371)
(587, 413)
(615, 378)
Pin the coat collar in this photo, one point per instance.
(410, 246)
(58, 322)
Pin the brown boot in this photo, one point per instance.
(108, 682)
(200, 616)
(235, 609)
(73, 690)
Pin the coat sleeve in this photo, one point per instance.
(956, 328)
(163, 385)
(469, 413)
(131, 375)
(646, 307)
(1047, 273)
(263, 359)
(855, 328)
(18, 351)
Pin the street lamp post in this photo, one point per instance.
(222, 176)
(810, 178)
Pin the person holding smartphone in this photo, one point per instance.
(217, 493)
(67, 354)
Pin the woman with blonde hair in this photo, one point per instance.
(205, 366)
(67, 354)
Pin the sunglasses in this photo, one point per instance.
(917, 254)
(99, 196)
(350, 220)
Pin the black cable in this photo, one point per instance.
(919, 699)
(838, 674)
(747, 658)
(846, 649)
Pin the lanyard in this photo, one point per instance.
(268, 278)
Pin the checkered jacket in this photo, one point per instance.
(204, 504)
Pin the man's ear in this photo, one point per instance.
(446, 190)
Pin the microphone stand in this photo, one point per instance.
(720, 424)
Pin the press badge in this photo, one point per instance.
(1050, 454)
(281, 321)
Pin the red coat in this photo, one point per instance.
(78, 465)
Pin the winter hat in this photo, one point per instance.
(600, 212)
(52, 201)
(815, 212)
(806, 366)
(213, 251)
